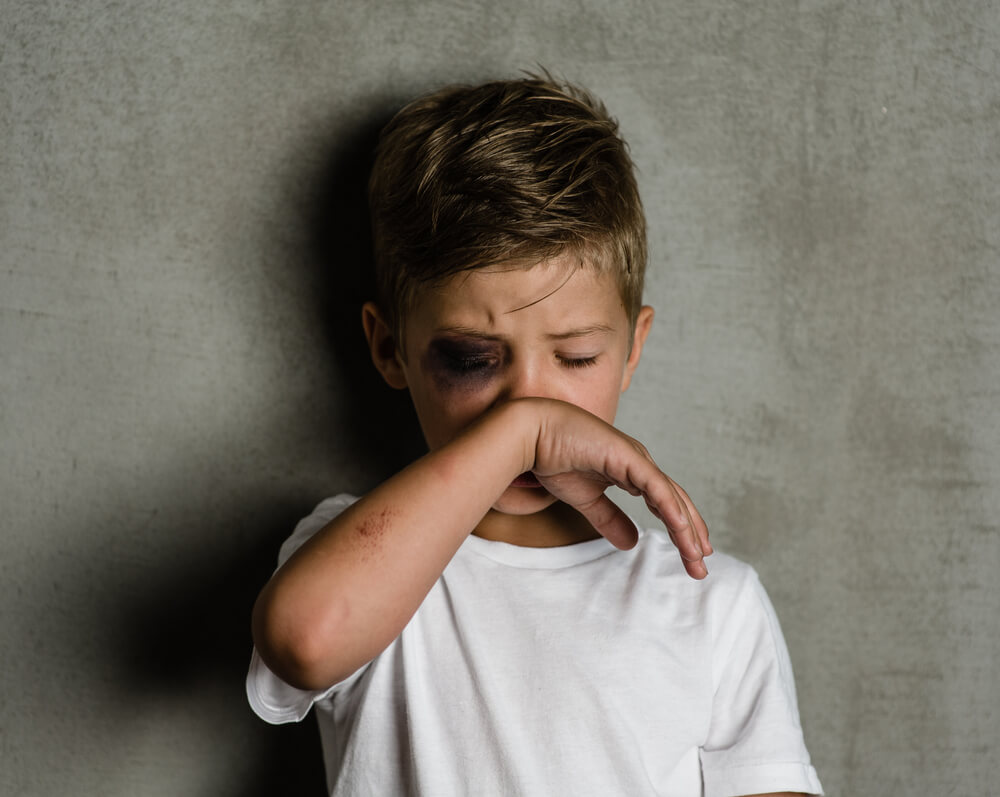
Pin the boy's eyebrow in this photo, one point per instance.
(580, 332)
(467, 332)
(593, 329)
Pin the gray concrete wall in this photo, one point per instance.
(179, 378)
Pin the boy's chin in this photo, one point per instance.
(517, 500)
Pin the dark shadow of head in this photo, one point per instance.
(186, 629)
(376, 421)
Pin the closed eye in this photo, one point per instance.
(460, 358)
(578, 362)
(469, 363)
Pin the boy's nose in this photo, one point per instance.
(526, 380)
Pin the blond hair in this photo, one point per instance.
(508, 172)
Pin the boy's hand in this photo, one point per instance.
(577, 456)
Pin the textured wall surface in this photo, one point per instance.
(180, 376)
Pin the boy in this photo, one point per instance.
(487, 621)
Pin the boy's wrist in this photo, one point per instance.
(506, 436)
(522, 419)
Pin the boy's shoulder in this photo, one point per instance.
(728, 597)
(725, 571)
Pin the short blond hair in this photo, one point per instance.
(508, 172)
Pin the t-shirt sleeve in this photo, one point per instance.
(754, 743)
(271, 698)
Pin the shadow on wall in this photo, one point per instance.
(194, 640)
(189, 644)
(377, 421)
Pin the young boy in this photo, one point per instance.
(487, 621)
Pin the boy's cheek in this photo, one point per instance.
(600, 397)
(451, 386)
(444, 415)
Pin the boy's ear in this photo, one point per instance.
(382, 345)
(643, 323)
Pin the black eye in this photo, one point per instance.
(462, 359)
(469, 363)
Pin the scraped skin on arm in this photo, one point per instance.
(515, 375)
(372, 529)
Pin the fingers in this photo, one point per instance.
(573, 466)
(685, 539)
(610, 522)
(670, 503)
(687, 530)
(699, 523)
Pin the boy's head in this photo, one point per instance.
(507, 173)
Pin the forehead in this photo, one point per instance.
(553, 296)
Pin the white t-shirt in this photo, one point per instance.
(579, 670)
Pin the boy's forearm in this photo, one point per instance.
(351, 589)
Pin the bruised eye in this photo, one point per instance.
(469, 363)
(455, 359)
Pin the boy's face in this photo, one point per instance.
(556, 330)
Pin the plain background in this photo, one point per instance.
(182, 374)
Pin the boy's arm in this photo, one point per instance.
(349, 591)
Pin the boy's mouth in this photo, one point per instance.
(526, 479)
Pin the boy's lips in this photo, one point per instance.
(526, 479)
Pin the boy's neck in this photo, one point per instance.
(554, 526)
